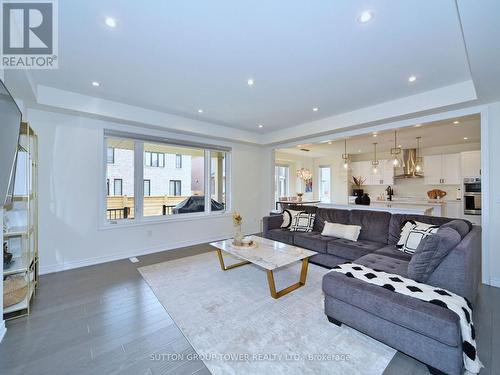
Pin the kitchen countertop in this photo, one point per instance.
(418, 209)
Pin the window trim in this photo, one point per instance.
(139, 219)
(114, 187)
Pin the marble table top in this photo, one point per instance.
(268, 254)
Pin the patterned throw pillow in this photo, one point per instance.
(412, 233)
(302, 222)
(288, 216)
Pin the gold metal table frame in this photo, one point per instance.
(270, 276)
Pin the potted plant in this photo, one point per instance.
(357, 184)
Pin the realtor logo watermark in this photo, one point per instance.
(29, 34)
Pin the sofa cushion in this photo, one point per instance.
(281, 235)
(397, 221)
(419, 316)
(431, 252)
(461, 226)
(352, 249)
(374, 224)
(332, 215)
(384, 263)
(312, 241)
(393, 252)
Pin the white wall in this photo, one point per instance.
(494, 192)
(70, 184)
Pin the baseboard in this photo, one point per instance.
(123, 255)
(495, 282)
(3, 330)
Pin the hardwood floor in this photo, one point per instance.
(104, 319)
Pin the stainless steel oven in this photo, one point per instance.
(472, 196)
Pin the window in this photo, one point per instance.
(120, 179)
(147, 188)
(324, 184)
(111, 155)
(175, 188)
(154, 159)
(218, 178)
(118, 188)
(281, 189)
(173, 178)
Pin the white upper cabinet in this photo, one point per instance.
(442, 169)
(471, 163)
(384, 175)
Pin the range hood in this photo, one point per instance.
(408, 168)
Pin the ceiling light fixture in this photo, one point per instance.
(96, 84)
(110, 22)
(304, 174)
(365, 17)
(260, 126)
(250, 82)
(200, 111)
(330, 143)
(315, 109)
(466, 138)
(396, 152)
(456, 122)
(412, 79)
(418, 125)
(375, 162)
(419, 165)
(345, 156)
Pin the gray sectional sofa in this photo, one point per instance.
(422, 330)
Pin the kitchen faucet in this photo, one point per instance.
(390, 192)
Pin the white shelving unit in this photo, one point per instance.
(21, 219)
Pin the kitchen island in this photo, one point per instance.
(415, 209)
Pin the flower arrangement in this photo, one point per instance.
(237, 219)
(358, 181)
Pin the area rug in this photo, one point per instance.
(236, 327)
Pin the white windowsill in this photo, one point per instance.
(124, 223)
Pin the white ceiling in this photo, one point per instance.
(179, 56)
(435, 134)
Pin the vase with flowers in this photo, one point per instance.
(357, 185)
(238, 235)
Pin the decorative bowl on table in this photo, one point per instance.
(244, 243)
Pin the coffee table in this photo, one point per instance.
(269, 255)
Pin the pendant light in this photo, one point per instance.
(396, 153)
(375, 162)
(345, 156)
(419, 165)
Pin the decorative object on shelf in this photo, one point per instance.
(375, 161)
(15, 289)
(309, 185)
(304, 174)
(397, 161)
(365, 199)
(299, 197)
(419, 162)
(7, 257)
(238, 236)
(357, 183)
(436, 194)
(345, 156)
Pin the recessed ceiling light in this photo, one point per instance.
(456, 122)
(299, 145)
(466, 138)
(375, 135)
(315, 109)
(418, 125)
(200, 111)
(412, 79)
(330, 142)
(260, 126)
(365, 17)
(250, 82)
(96, 84)
(110, 22)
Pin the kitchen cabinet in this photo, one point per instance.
(471, 163)
(442, 169)
(384, 175)
(453, 209)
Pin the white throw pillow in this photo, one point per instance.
(348, 232)
(288, 216)
(412, 233)
(303, 222)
